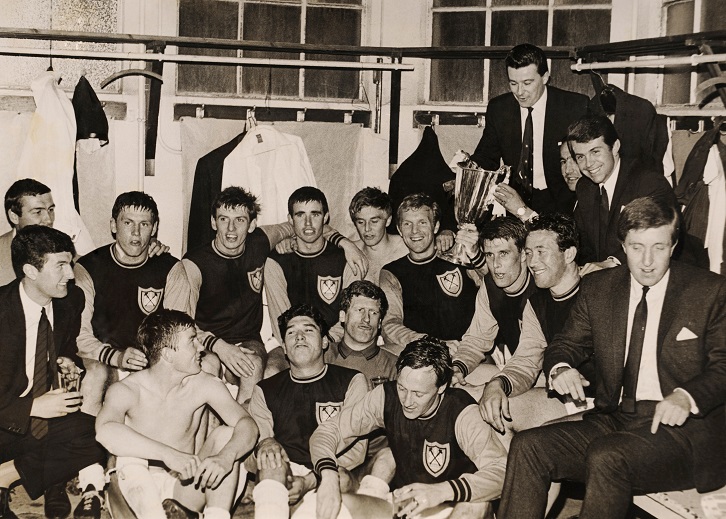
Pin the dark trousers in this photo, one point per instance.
(69, 446)
(614, 454)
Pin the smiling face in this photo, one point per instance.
(568, 167)
(308, 220)
(361, 322)
(187, 357)
(596, 159)
(545, 259)
(648, 253)
(51, 281)
(505, 261)
(371, 223)
(232, 226)
(526, 84)
(303, 343)
(35, 210)
(418, 231)
(134, 228)
(417, 391)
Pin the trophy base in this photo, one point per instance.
(457, 256)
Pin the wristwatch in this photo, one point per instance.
(521, 211)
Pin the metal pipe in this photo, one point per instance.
(693, 60)
(207, 60)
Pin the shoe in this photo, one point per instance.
(174, 510)
(5, 512)
(57, 505)
(90, 505)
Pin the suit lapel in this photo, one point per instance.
(619, 299)
(623, 180)
(671, 303)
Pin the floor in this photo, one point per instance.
(566, 509)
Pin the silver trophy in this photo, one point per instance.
(473, 194)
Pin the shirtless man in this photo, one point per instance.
(149, 420)
(371, 210)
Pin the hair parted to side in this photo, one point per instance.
(370, 197)
(416, 201)
(135, 200)
(527, 54)
(306, 194)
(158, 331)
(20, 188)
(233, 197)
(33, 242)
(562, 225)
(364, 288)
(428, 352)
(590, 127)
(505, 228)
(302, 311)
(648, 213)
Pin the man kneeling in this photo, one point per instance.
(149, 420)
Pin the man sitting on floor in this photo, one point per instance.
(149, 420)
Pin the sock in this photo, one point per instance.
(271, 500)
(8, 474)
(214, 512)
(92, 475)
(373, 486)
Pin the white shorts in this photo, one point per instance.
(131, 471)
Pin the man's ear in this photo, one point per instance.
(341, 316)
(326, 218)
(30, 271)
(570, 254)
(616, 147)
(441, 389)
(389, 220)
(546, 77)
(154, 229)
(436, 227)
(325, 342)
(166, 354)
(289, 219)
(214, 223)
(113, 226)
(253, 226)
(14, 218)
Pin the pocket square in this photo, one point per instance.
(686, 334)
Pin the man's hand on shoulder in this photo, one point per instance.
(457, 379)
(183, 463)
(357, 261)
(287, 246)
(156, 248)
(234, 358)
(132, 360)
(494, 405)
(329, 499)
(569, 381)
(444, 240)
(673, 410)
(56, 403)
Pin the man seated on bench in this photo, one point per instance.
(149, 421)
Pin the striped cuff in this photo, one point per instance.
(506, 384)
(336, 238)
(461, 367)
(325, 464)
(479, 260)
(107, 353)
(209, 342)
(462, 490)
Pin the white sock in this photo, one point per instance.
(92, 475)
(373, 486)
(271, 500)
(214, 512)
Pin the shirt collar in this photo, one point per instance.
(367, 353)
(540, 106)
(656, 291)
(31, 309)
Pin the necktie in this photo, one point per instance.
(604, 217)
(635, 351)
(42, 372)
(525, 173)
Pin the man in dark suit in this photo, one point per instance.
(44, 440)
(546, 111)
(661, 373)
(614, 181)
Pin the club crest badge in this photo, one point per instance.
(255, 278)
(451, 282)
(149, 299)
(324, 411)
(436, 457)
(329, 287)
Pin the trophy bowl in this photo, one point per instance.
(473, 194)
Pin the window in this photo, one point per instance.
(323, 22)
(679, 83)
(507, 23)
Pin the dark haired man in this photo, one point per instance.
(289, 405)
(614, 183)
(149, 421)
(122, 283)
(371, 212)
(443, 450)
(661, 373)
(523, 129)
(44, 439)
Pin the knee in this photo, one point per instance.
(603, 456)
(219, 437)
(211, 364)
(275, 362)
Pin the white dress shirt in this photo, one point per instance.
(610, 183)
(32, 311)
(538, 123)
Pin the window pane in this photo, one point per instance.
(510, 28)
(266, 22)
(460, 3)
(577, 27)
(336, 2)
(677, 80)
(582, 2)
(713, 15)
(458, 79)
(207, 19)
(326, 26)
(518, 2)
